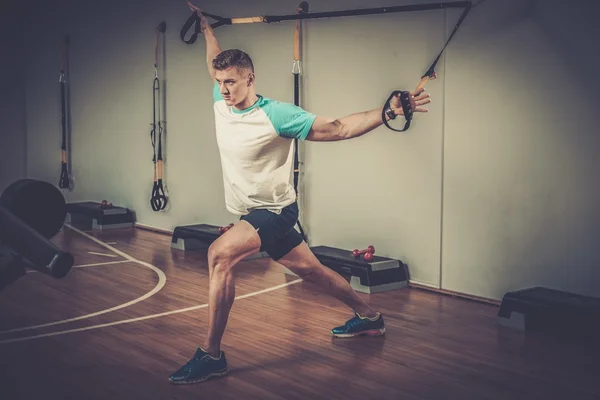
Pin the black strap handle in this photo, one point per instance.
(194, 21)
(406, 108)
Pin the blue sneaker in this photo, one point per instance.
(361, 326)
(201, 367)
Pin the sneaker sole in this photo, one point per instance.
(371, 332)
(204, 378)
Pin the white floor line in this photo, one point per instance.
(145, 317)
(102, 263)
(102, 254)
(33, 271)
(162, 280)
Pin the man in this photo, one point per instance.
(255, 139)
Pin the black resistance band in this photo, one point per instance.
(158, 201)
(296, 70)
(64, 181)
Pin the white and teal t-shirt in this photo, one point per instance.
(257, 152)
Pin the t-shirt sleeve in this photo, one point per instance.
(290, 120)
(216, 93)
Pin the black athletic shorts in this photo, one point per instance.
(277, 233)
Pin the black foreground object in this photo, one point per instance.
(37, 203)
(31, 213)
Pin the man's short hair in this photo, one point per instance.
(233, 58)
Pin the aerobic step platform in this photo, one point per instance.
(90, 215)
(551, 311)
(198, 237)
(380, 274)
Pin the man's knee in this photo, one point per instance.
(220, 257)
(307, 271)
(225, 252)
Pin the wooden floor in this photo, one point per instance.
(136, 320)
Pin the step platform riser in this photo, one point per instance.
(89, 215)
(551, 312)
(381, 274)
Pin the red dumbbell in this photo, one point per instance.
(223, 229)
(368, 253)
(105, 204)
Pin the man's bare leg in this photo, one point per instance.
(236, 244)
(305, 264)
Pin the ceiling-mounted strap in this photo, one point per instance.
(430, 74)
(431, 71)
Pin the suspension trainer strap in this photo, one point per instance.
(64, 181)
(269, 19)
(430, 74)
(158, 200)
(194, 20)
(296, 70)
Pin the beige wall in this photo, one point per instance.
(521, 157)
(493, 190)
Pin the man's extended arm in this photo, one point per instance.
(351, 126)
(357, 124)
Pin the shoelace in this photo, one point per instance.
(354, 321)
(194, 360)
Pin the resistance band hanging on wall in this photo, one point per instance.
(64, 181)
(296, 70)
(158, 200)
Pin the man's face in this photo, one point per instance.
(234, 85)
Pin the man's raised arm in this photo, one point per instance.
(212, 45)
